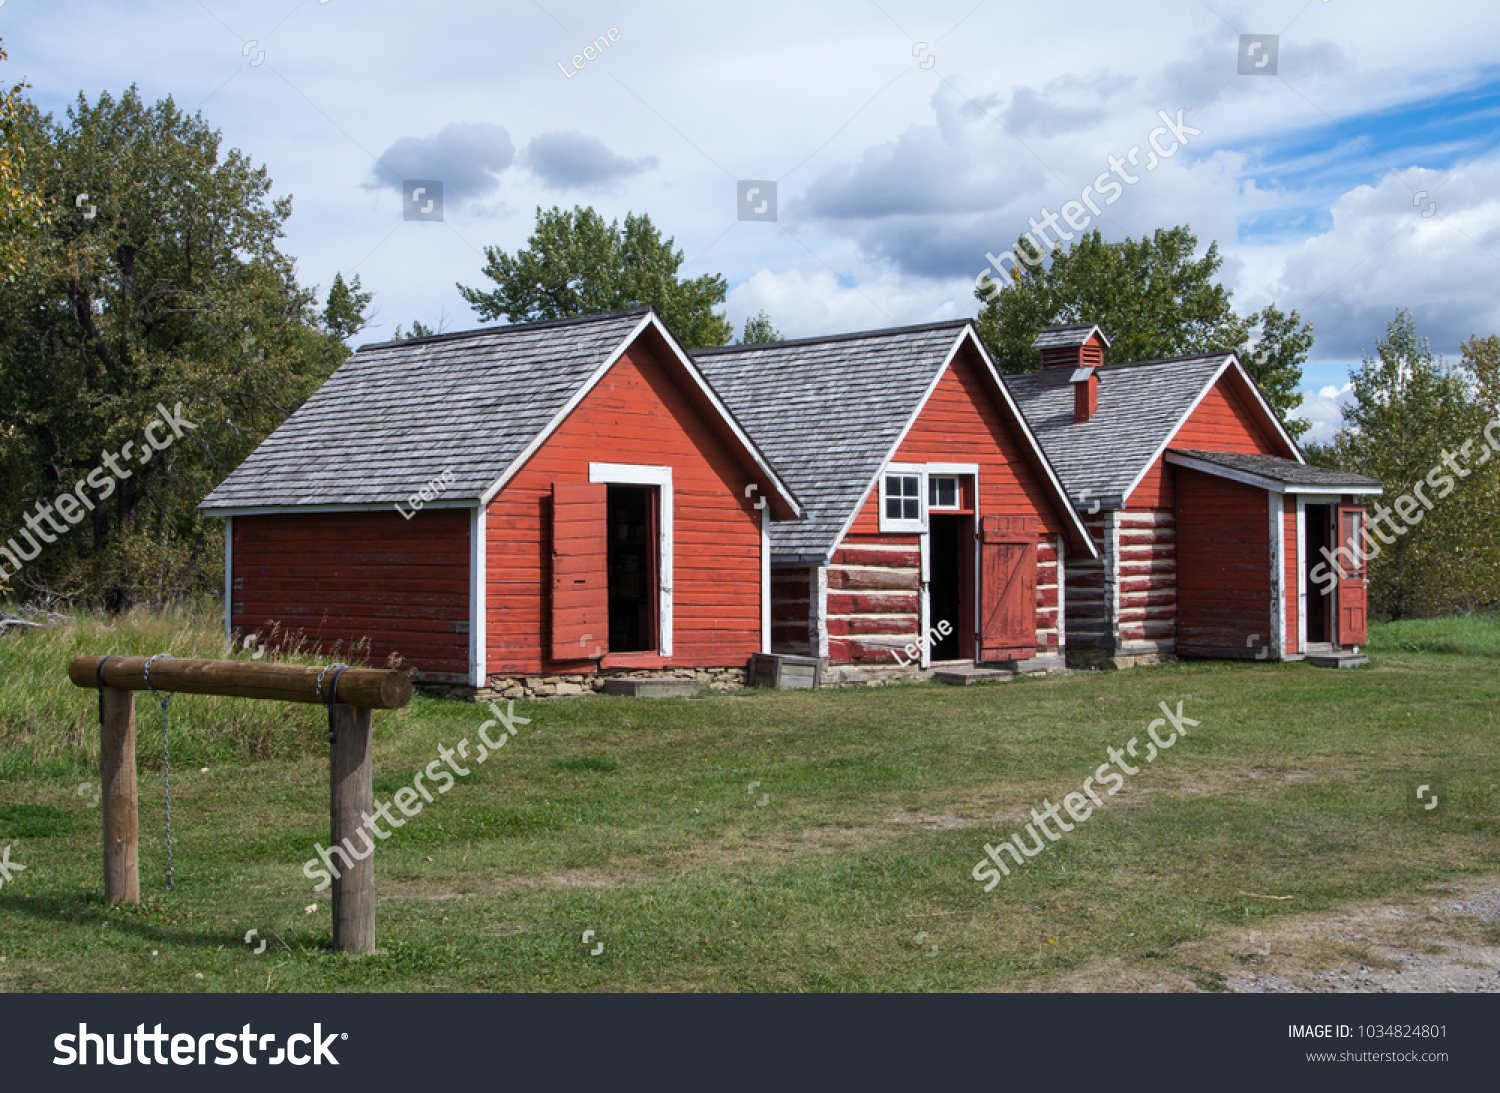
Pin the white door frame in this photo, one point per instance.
(640, 474)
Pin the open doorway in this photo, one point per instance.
(633, 567)
(1317, 522)
(950, 588)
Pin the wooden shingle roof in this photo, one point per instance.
(828, 411)
(1141, 406)
(397, 414)
(1068, 335)
(1273, 472)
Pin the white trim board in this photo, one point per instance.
(639, 474)
(478, 617)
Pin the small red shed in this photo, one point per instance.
(555, 500)
(1210, 524)
(937, 531)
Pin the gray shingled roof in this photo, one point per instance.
(397, 414)
(1140, 405)
(1069, 334)
(827, 412)
(1285, 471)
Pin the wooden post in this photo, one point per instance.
(122, 876)
(352, 797)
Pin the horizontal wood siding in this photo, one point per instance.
(1229, 420)
(402, 585)
(1225, 584)
(963, 421)
(1147, 578)
(636, 414)
(874, 598)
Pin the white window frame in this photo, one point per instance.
(905, 526)
(639, 474)
(958, 494)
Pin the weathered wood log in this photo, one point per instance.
(351, 799)
(118, 791)
(362, 688)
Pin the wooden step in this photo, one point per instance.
(962, 677)
(660, 687)
(1337, 660)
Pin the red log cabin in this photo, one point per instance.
(1210, 524)
(557, 498)
(937, 532)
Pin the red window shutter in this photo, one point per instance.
(580, 572)
(1007, 583)
(1353, 597)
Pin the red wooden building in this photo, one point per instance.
(1209, 521)
(936, 530)
(550, 499)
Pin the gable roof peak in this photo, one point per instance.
(1069, 335)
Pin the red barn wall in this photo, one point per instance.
(635, 414)
(402, 585)
(1225, 579)
(874, 581)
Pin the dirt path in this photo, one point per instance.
(1434, 943)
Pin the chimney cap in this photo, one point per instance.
(1067, 335)
(1082, 375)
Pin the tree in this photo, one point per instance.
(758, 330)
(1152, 298)
(344, 316)
(165, 287)
(1410, 410)
(22, 212)
(576, 264)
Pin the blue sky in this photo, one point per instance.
(906, 139)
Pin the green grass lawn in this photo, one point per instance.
(840, 868)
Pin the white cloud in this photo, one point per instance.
(1322, 408)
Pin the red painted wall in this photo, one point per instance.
(401, 584)
(1225, 578)
(963, 421)
(636, 414)
(1227, 420)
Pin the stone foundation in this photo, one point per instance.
(570, 686)
(1101, 660)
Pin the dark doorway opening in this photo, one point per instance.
(946, 583)
(1318, 524)
(632, 569)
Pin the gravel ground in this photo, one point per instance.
(1448, 956)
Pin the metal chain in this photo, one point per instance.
(333, 687)
(166, 752)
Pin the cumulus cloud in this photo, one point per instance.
(804, 303)
(467, 157)
(571, 160)
(1383, 254)
(1324, 409)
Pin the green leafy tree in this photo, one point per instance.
(344, 315)
(1410, 412)
(22, 211)
(576, 264)
(1153, 298)
(166, 287)
(758, 330)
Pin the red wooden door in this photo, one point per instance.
(1352, 593)
(1007, 588)
(580, 571)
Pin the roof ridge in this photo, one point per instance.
(827, 338)
(513, 328)
(1168, 360)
